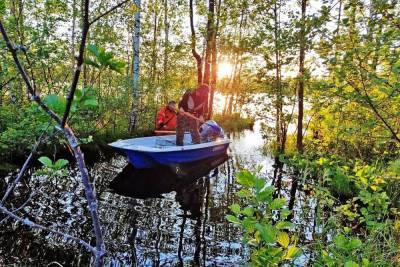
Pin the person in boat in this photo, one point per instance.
(166, 117)
(195, 103)
(210, 131)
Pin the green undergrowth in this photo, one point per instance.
(356, 214)
(233, 122)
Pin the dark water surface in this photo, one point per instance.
(157, 217)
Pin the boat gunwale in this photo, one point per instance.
(142, 148)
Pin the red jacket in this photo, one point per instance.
(166, 118)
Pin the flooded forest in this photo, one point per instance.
(200, 133)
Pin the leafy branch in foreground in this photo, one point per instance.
(263, 221)
(99, 249)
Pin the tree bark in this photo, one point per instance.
(214, 65)
(193, 45)
(278, 89)
(300, 92)
(135, 70)
(210, 33)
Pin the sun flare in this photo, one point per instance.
(224, 70)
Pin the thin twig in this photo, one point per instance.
(108, 11)
(79, 63)
(24, 167)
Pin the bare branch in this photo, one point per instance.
(24, 167)
(108, 11)
(79, 63)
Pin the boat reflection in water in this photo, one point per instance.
(153, 182)
(192, 194)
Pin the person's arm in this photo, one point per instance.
(160, 119)
(201, 118)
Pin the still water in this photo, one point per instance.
(159, 217)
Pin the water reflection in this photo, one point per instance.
(171, 216)
(148, 183)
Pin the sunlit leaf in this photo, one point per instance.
(351, 264)
(292, 252)
(235, 208)
(91, 102)
(60, 163)
(46, 161)
(283, 239)
(232, 219)
(278, 203)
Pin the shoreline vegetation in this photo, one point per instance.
(16, 139)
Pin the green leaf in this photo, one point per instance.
(284, 213)
(278, 203)
(90, 62)
(91, 102)
(283, 225)
(235, 208)
(267, 232)
(60, 163)
(46, 161)
(243, 193)
(55, 102)
(351, 264)
(292, 252)
(117, 66)
(232, 219)
(283, 239)
(93, 49)
(354, 243)
(246, 178)
(248, 211)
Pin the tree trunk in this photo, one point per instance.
(214, 65)
(300, 92)
(154, 49)
(135, 69)
(210, 33)
(193, 45)
(278, 88)
(73, 35)
(166, 49)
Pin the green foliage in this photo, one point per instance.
(101, 59)
(58, 165)
(359, 225)
(233, 122)
(262, 219)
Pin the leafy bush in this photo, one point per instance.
(233, 122)
(263, 221)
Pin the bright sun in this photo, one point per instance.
(224, 70)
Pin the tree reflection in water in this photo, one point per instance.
(171, 216)
(191, 182)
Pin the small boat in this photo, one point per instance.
(147, 152)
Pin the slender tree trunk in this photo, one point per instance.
(73, 35)
(166, 50)
(214, 65)
(154, 49)
(135, 70)
(193, 45)
(278, 100)
(300, 92)
(210, 33)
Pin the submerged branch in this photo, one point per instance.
(32, 224)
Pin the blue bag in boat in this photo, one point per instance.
(210, 131)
